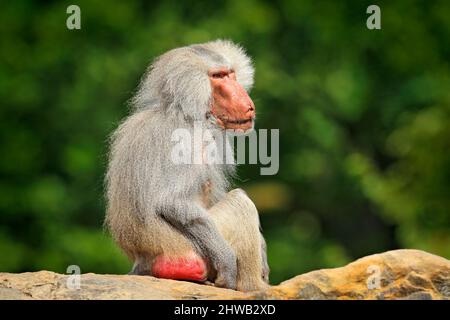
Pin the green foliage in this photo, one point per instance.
(363, 118)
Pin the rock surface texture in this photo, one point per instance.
(399, 274)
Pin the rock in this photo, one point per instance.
(399, 274)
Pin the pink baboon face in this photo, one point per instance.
(231, 105)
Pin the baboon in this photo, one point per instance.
(178, 221)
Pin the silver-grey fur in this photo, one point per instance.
(155, 206)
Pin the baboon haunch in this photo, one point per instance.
(177, 221)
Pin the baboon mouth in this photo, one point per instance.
(235, 123)
(241, 121)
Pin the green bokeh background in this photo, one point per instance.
(363, 118)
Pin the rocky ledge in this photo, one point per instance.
(399, 274)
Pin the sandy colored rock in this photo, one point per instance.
(399, 274)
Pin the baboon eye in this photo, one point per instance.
(219, 74)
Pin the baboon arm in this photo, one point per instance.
(193, 221)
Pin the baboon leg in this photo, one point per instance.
(141, 266)
(237, 219)
(145, 244)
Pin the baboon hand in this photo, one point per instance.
(226, 280)
(227, 274)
